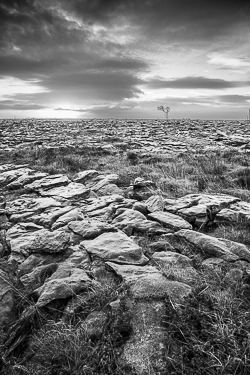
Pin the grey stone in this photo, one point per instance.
(214, 247)
(72, 215)
(89, 229)
(76, 281)
(72, 190)
(49, 182)
(115, 247)
(169, 220)
(155, 203)
(41, 241)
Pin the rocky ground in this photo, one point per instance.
(62, 238)
(144, 135)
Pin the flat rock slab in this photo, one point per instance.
(116, 247)
(192, 200)
(102, 202)
(20, 229)
(72, 190)
(28, 204)
(109, 179)
(169, 220)
(50, 215)
(156, 286)
(26, 179)
(214, 247)
(82, 177)
(48, 182)
(130, 221)
(74, 214)
(9, 176)
(129, 272)
(146, 347)
(10, 167)
(90, 229)
(41, 241)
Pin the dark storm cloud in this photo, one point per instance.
(194, 83)
(100, 85)
(194, 18)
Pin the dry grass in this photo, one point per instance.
(176, 175)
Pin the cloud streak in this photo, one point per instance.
(195, 83)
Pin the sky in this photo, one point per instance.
(124, 58)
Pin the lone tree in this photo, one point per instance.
(166, 110)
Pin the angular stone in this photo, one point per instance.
(99, 203)
(169, 220)
(28, 204)
(37, 276)
(76, 282)
(9, 176)
(41, 241)
(50, 215)
(49, 182)
(155, 286)
(129, 272)
(191, 200)
(214, 247)
(111, 178)
(36, 260)
(26, 179)
(72, 190)
(21, 229)
(130, 221)
(104, 214)
(82, 177)
(89, 229)
(72, 215)
(10, 167)
(155, 203)
(116, 247)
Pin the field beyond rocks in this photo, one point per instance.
(124, 247)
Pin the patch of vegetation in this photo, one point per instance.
(209, 333)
